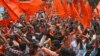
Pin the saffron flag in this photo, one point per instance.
(85, 15)
(15, 8)
(75, 13)
(89, 9)
(47, 8)
(58, 8)
(31, 7)
(15, 1)
(67, 8)
(12, 15)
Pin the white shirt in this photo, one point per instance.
(94, 37)
(75, 47)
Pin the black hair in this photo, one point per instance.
(66, 52)
(33, 47)
(34, 44)
(89, 47)
(22, 46)
(11, 43)
(56, 43)
(79, 41)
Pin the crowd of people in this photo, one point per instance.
(50, 37)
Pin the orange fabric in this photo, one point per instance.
(13, 11)
(31, 7)
(83, 8)
(14, 1)
(76, 4)
(75, 13)
(89, 9)
(37, 2)
(5, 22)
(47, 9)
(15, 8)
(67, 8)
(85, 15)
(75, 1)
(28, 8)
(58, 8)
(9, 10)
(64, 3)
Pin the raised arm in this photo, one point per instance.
(23, 38)
(4, 39)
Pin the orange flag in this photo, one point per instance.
(31, 7)
(89, 9)
(76, 3)
(14, 1)
(75, 13)
(37, 2)
(47, 8)
(12, 15)
(85, 15)
(11, 8)
(83, 8)
(15, 8)
(67, 8)
(58, 8)
(97, 10)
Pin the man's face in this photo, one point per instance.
(89, 50)
(52, 46)
(32, 50)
